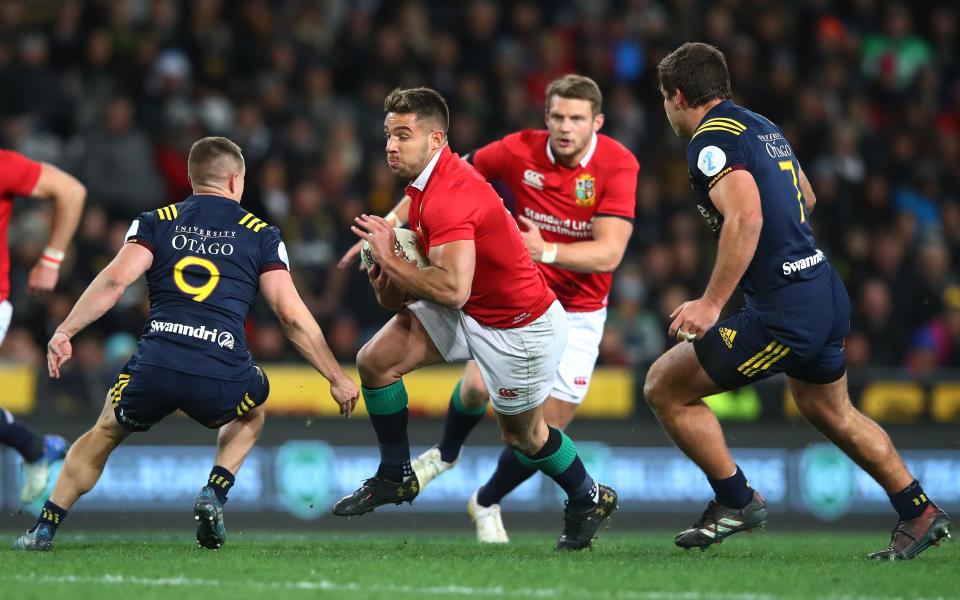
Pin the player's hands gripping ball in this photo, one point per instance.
(380, 239)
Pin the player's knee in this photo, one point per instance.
(822, 414)
(653, 387)
(524, 442)
(472, 395)
(370, 362)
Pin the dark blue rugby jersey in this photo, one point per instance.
(729, 138)
(208, 254)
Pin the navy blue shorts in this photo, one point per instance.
(799, 332)
(144, 394)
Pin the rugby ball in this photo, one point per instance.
(407, 247)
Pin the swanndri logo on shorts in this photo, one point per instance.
(727, 336)
(508, 393)
(224, 339)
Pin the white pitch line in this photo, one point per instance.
(442, 590)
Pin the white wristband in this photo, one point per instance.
(549, 253)
(50, 263)
(53, 253)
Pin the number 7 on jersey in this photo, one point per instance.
(787, 165)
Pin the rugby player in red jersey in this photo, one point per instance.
(20, 176)
(575, 195)
(482, 297)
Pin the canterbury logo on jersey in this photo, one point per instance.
(721, 124)
(533, 179)
(763, 360)
(804, 263)
(727, 336)
(251, 222)
(224, 339)
(167, 213)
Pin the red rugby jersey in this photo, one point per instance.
(450, 202)
(563, 201)
(18, 177)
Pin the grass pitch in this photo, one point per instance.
(629, 566)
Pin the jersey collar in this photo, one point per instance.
(725, 104)
(421, 181)
(586, 157)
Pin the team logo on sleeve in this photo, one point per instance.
(585, 190)
(711, 160)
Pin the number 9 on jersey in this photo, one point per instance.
(198, 292)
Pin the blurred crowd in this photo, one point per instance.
(115, 91)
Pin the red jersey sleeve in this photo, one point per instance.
(489, 160)
(619, 197)
(18, 174)
(452, 221)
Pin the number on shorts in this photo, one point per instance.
(199, 292)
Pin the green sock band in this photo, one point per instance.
(556, 463)
(385, 400)
(460, 408)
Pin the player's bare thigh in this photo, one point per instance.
(401, 346)
(677, 378)
(817, 402)
(107, 422)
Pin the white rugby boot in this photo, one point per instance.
(429, 465)
(489, 524)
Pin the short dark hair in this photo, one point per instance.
(422, 101)
(577, 87)
(213, 159)
(697, 69)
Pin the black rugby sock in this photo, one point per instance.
(221, 480)
(734, 491)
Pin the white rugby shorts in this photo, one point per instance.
(579, 356)
(518, 365)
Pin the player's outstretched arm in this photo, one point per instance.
(447, 281)
(304, 333)
(602, 254)
(99, 297)
(737, 198)
(68, 196)
(396, 217)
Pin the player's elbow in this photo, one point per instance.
(610, 261)
(114, 287)
(78, 192)
(457, 296)
(750, 223)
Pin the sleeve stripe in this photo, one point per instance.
(141, 242)
(259, 226)
(624, 217)
(275, 266)
(245, 218)
(716, 128)
(173, 209)
(725, 121)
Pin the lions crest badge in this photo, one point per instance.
(585, 190)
